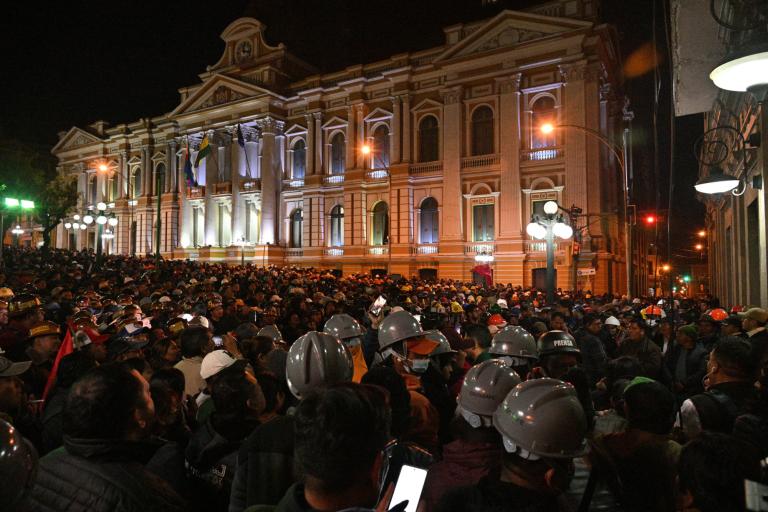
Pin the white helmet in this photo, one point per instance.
(317, 360)
(485, 387)
(612, 320)
(343, 327)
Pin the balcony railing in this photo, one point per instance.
(251, 184)
(333, 179)
(425, 249)
(378, 250)
(294, 252)
(474, 162)
(195, 192)
(479, 247)
(293, 183)
(541, 154)
(426, 168)
(334, 251)
(541, 246)
(222, 188)
(377, 175)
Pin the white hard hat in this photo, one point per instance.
(612, 320)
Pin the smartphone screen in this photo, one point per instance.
(379, 303)
(218, 341)
(408, 487)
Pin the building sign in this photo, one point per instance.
(585, 272)
(475, 201)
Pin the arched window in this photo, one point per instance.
(93, 189)
(135, 187)
(338, 154)
(112, 188)
(299, 164)
(482, 131)
(380, 226)
(381, 147)
(429, 146)
(337, 226)
(159, 175)
(542, 112)
(429, 221)
(297, 219)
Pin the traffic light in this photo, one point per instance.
(687, 278)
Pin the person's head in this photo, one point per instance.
(215, 311)
(275, 394)
(754, 318)
(340, 434)
(707, 325)
(666, 327)
(399, 397)
(317, 360)
(12, 396)
(166, 350)
(649, 406)
(712, 470)
(236, 394)
(557, 321)
(167, 390)
(636, 329)
(485, 386)
(557, 353)
(195, 341)
(731, 326)
(109, 402)
(44, 340)
(592, 323)
(729, 361)
(687, 336)
(473, 313)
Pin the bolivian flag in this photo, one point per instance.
(203, 152)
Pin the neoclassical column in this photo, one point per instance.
(310, 152)
(318, 167)
(146, 172)
(406, 122)
(270, 180)
(237, 155)
(510, 203)
(360, 157)
(396, 131)
(211, 178)
(451, 146)
(171, 174)
(352, 141)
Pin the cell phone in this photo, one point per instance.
(408, 487)
(218, 341)
(377, 305)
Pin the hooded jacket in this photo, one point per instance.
(95, 475)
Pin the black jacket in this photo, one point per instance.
(211, 460)
(695, 368)
(264, 465)
(95, 475)
(593, 357)
(721, 404)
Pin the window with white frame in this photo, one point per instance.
(299, 160)
(338, 154)
(337, 226)
(380, 148)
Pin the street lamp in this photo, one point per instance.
(620, 152)
(547, 227)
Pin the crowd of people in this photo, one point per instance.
(128, 384)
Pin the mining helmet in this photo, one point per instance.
(485, 387)
(343, 326)
(514, 341)
(22, 304)
(557, 342)
(398, 326)
(542, 418)
(6, 294)
(317, 360)
(444, 346)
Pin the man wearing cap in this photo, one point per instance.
(23, 313)
(638, 345)
(12, 396)
(753, 324)
(592, 351)
(43, 344)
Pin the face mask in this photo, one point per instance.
(419, 365)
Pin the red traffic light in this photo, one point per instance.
(650, 219)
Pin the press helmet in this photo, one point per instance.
(542, 418)
(398, 326)
(514, 341)
(485, 386)
(343, 327)
(317, 360)
(271, 331)
(557, 342)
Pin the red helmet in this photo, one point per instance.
(737, 309)
(717, 314)
(496, 319)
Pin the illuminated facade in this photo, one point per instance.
(455, 169)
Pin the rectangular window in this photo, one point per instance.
(483, 222)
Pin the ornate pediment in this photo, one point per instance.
(74, 138)
(220, 90)
(508, 29)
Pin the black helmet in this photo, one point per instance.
(557, 342)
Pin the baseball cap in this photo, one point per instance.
(759, 315)
(123, 344)
(10, 369)
(216, 361)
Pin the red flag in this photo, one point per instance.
(65, 349)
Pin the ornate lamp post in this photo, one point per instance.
(547, 227)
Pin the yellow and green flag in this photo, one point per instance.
(204, 151)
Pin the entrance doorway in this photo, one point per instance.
(428, 274)
(539, 278)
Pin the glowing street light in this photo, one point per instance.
(665, 267)
(702, 234)
(547, 128)
(103, 167)
(365, 149)
(547, 227)
(699, 247)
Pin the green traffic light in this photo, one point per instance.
(686, 278)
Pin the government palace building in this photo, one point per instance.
(429, 163)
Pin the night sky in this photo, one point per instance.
(71, 63)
